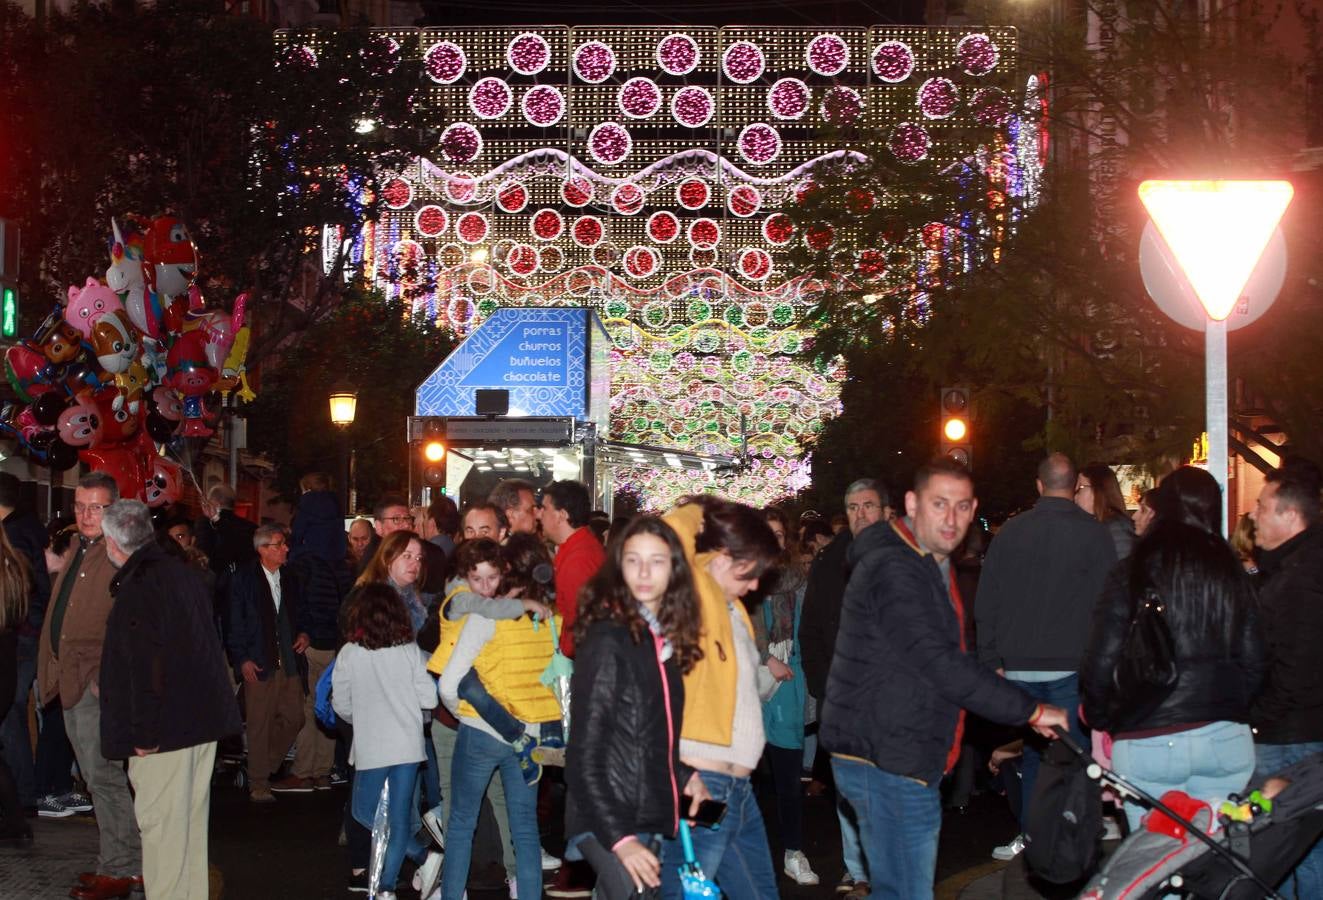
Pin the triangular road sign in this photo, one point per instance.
(1216, 230)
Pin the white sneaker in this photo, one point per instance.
(1008, 852)
(428, 875)
(797, 867)
(549, 863)
(432, 822)
(513, 887)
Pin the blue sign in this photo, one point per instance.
(528, 354)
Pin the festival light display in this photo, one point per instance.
(644, 172)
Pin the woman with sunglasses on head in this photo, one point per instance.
(1098, 493)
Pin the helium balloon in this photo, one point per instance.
(124, 464)
(160, 428)
(87, 304)
(164, 485)
(47, 407)
(60, 456)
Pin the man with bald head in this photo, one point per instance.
(1042, 575)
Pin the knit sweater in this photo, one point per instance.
(747, 735)
(382, 693)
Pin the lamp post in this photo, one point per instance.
(1216, 230)
(344, 405)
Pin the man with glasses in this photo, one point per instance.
(69, 664)
(266, 641)
(391, 514)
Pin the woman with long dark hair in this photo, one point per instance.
(1195, 737)
(637, 636)
(1098, 493)
(15, 584)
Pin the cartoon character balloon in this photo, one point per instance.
(163, 485)
(192, 378)
(170, 259)
(87, 304)
(114, 342)
(125, 277)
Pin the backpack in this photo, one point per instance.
(1063, 825)
(321, 707)
(1145, 673)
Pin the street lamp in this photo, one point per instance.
(344, 405)
(1216, 230)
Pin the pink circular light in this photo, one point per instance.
(512, 197)
(663, 227)
(639, 98)
(977, 54)
(819, 236)
(461, 187)
(587, 231)
(859, 200)
(827, 55)
(490, 98)
(609, 143)
(788, 99)
(744, 201)
(546, 224)
(431, 220)
(755, 264)
(938, 98)
(677, 54)
(397, 193)
(991, 106)
(692, 193)
(577, 192)
(594, 62)
(528, 53)
(759, 143)
(445, 62)
(522, 259)
(461, 142)
(471, 227)
(909, 142)
(743, 62)
(640, 262)
(893, 61)
(842, 105)
(778, 229)
(543, 105)
(692, 106)
(872, 263)
(627, 199)
(704, 233)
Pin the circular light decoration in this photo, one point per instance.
(471, 228)
(431, 220)
(594, 62)
(743, 62)
(991, 106)
(522, 259)
(693, 193)
(704, 233)
(677, 54)
(543, 105)
(977, 54)
(692, 106)
(445, 62)
(627, 199)
(819, 236)
(490, 98)
(397, 193)
(450, 255)
(788, 98)
(778, 229)
(805, 189)
(755, 264)
(872, 263)
(938, 98)
(744, 201)
(703, 257)
(528, 53)
(606, 255)
(512, 197)
(893, 61)
(461, 187)
(759, 143)
(553, 259)
(934, 235)
(640, 262)
(587, 231)
(909, 142)
(663, 227)
(842, 105)
(609, 143)
(827, 55)
(380, 54)
(546, 225)
(639, 98)
(406, 256)
(859, 200)
(461, 143)
(577, 192)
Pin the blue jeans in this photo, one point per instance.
(852, 854)
(1207, 763)
(477, 756)
(14, 736)
(402, 840)
(735, 855)
(1272, 758)
(1065, 693)
(899, 823)
(474, 692)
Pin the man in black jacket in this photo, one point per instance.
(1288, 714)
(165, 699)
(901, 680)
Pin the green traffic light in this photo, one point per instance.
(9, 313)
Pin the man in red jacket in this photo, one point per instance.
(566, 508)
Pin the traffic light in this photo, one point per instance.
(956, 437)
(433, 450)
(8, 311)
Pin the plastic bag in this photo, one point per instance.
(380, 835)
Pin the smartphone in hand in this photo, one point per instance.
(710, 812)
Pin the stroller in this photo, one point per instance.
(1187, 848)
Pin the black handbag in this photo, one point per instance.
(1146, 672)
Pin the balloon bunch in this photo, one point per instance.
(129, 366)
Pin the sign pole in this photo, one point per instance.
(1217, 414)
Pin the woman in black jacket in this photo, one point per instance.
(1195, 738)
(637, 634)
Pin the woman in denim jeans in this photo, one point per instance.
(1195, 738)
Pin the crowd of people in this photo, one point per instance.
(423, 658)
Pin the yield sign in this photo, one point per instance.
(1216, 230)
